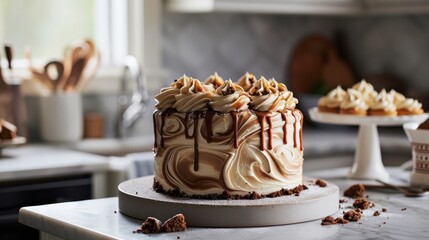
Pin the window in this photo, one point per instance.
(49, 26)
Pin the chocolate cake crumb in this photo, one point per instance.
(340, 220)
(178, 237)
(384, 210)
(352, 215)
(151, 225)
(114, 211)
(358, 210)
(403, 209)
(384, 222)
(355, 191)
(361, 203)
(343, 200)
(376, 214)
(329, 220)
(174, 224)
(321, 183)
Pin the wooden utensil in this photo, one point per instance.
(57, 69)
(75, 75)
(84, 50)
(89, 71)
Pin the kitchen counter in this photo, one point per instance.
(46, 161)
(406, 218)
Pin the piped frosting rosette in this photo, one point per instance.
(167, 96)
(367, 90)
(290, 100)
(230, 97)
(334, 98)
(214, 81)
(194, 96)
(383, 101)
(410, 104)
(247, 81)
(354, 101)
(266, 97)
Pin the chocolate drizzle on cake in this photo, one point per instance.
(208, 118)
(164, 114)
(234, 116)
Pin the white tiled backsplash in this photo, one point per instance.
(199, 44)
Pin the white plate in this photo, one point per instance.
(343, 119)
(18, 141)
(137, 199)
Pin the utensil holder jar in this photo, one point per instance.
(61, 117)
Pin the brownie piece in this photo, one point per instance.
(361, 203)
(151, 225)
(352, 215)
(321, 183)
(424, 125)
(174, 224)
(355, 191)
(329, 220)
(340, 220)
(7, 130)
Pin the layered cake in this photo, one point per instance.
(222, 139)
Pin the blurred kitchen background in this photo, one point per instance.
(309, 45)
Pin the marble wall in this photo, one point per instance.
(231, 43)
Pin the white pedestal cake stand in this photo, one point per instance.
(138, 199)
(367, 162)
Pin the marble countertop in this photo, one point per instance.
(406, 218)
(33, 161)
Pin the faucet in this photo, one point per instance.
(131, 109)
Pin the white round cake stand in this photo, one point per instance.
(137, 199)
(367, 161)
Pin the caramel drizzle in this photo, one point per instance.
(261, 117)
(284, 118)
(295, 134)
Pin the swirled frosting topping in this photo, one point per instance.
(397, 97)
(383, 101)
(214, 81)
(410, 104)
(194, 96)
(265, 97)
(187, 94)
(334, 98)
(167, 96)
(367, 90)
(230, 97)
(354, 100)
(247, 81)
(285, 94)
